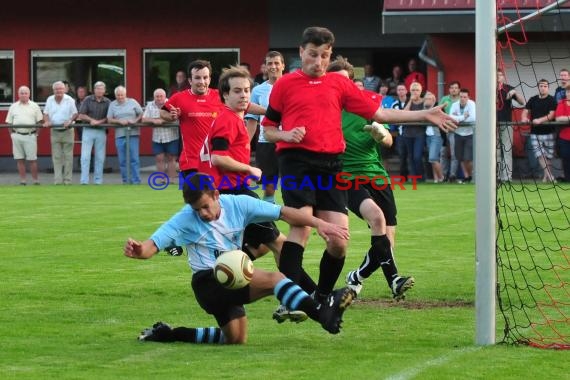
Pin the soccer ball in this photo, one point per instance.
(233, 269)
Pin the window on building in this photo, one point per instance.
(6, 77)
(78, 67)
(161, 65)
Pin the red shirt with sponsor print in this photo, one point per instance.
(197, 112)
(227, 137)
(299, 100)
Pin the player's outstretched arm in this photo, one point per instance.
(139, 250)
(296, 217)
(434, 116)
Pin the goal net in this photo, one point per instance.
(533, 195)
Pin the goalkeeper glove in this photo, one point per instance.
(377, 131)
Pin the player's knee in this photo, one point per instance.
(337, 248)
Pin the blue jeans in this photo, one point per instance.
(415, 147)
(121, 144)
(564, 150)
(93, 138)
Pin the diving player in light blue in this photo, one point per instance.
(211, 224)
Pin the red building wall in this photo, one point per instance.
(133, 26)
(457, 55)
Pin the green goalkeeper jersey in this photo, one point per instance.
(362, 155)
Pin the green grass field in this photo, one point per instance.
(72, 304)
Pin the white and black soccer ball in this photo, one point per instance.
(233, 269)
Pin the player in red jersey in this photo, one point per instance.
(196, 109)
(225, 157)
(307, 105)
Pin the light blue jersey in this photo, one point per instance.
(207, 240)
(260, 95)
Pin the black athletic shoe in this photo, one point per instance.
(333, 308)
(400, 285)
(174, 251)
(159, 332)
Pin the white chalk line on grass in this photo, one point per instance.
(410, 373)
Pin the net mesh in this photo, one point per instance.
(533, 225)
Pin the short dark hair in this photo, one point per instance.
(455, 82)
(464, 90)
(196, 185)
(340, 63)
(227, 74)
(543, 81)
(273, 54)
(198, 64)
(317, 36)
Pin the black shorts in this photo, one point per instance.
(266, 160)
(309, 179)
(255, 234)
(224, 304)
(383, 198)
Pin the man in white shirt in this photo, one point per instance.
(59, 114)
(464, 112)
(24, 139)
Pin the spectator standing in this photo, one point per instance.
(414, 75)
(371, 82)
(415, 135)
(59, 114)
(563, 114)
(395, 80)
(94, 111)
(505, 95)
(400, 104)
(180, 84)
(560, 92)
(261, 76)
(434, 142)
(125, 112)
(81, 94)
(165, 140)
(464, 112)
(538, 110)
(449, 163)
(24, 139)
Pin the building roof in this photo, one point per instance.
(458, 16)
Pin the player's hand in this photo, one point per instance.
(377, 131)
(295, 135)
(174, 112)
(437, 117)
(133, 248)
(255, 172)
(328, 230)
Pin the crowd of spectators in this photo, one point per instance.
(419, 148)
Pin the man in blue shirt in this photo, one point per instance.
(211, 224)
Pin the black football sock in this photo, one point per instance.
(291, 260)
(306, 282)
(293, 297)
(212, 335)
(330, 269)
(380, 255)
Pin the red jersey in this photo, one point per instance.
(230, 127)
(197, 112)
(298, 100)
(563, 109)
